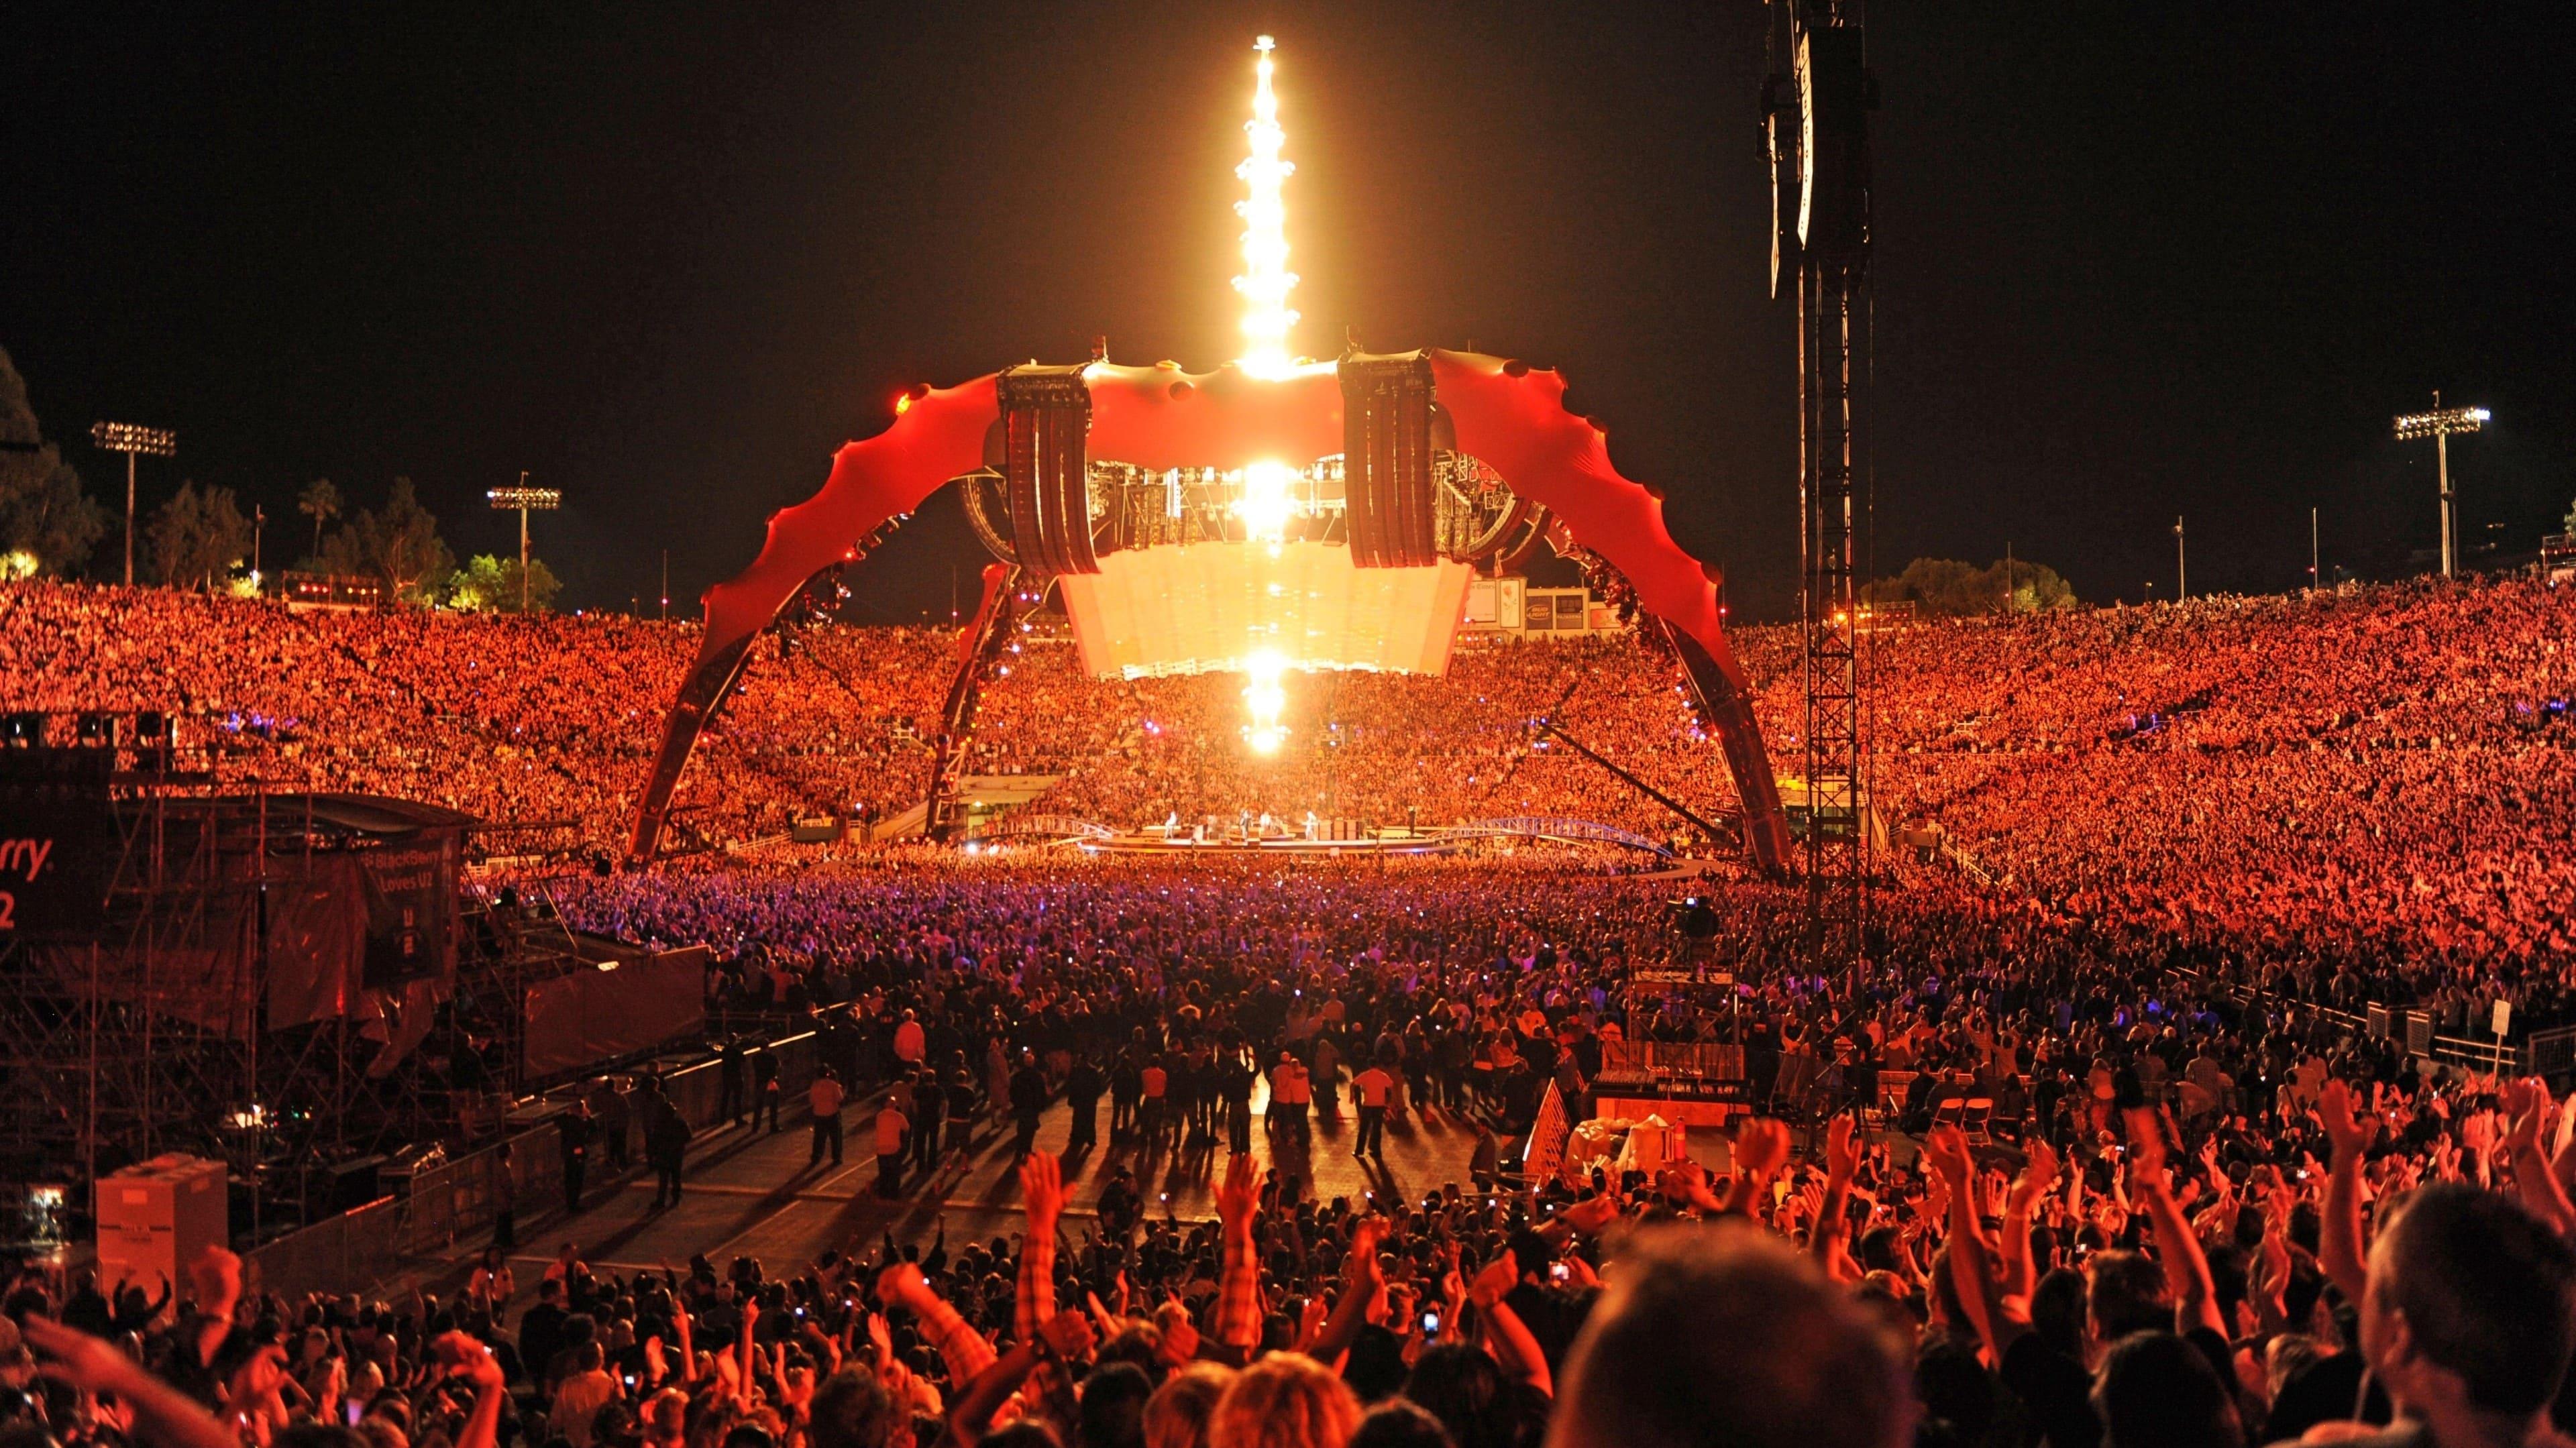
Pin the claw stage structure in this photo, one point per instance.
(1271, 515)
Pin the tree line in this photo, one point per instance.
(200, 537)
(1948, 588)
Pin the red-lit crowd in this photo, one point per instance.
(2366, 796)
(2189, 1207)
(2193, 1218)
(1383, 749)
(546, 721)
(2362, 796)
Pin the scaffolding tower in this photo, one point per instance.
(1815, 107)
(144, 1025)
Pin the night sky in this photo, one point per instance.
(2132, 260)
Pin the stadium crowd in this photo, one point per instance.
(2353, 796)
(549, 719)
(2197, 1212)
(2225, 1226)
(2370, 790)
(1377, 748)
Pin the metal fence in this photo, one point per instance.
(460, 1196)
(2489, 1054)
(2552, 1053)
(357, 1246)
(452, 1200)
(1690, 1060)
(2549, 1053)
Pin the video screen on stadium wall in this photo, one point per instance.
(1208, 607)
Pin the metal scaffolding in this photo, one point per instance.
(1815, 116)
(146, 1027)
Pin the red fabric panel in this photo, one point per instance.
(1519, 427)
(938, 437)
(1219, 419)
(317, 942)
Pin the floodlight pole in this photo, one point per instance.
(2182, 579)
(2438, 425)
(524, 498)
(130, 439)
(523, 542)
(2442, 464)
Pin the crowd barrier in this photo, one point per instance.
(453, 1200)
(2549, 1053)
(456, 1197)
(2552, 1053)
(1688, 1060)
(1544, 1153)
(359, 1245)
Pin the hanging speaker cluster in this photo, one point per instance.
(1387, 453)
(1815, 122)
(1045, 426)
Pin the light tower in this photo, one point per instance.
(130, 439)
(526, 499)
(2438, 425)
(1265, 284)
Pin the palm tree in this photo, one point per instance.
(319, 501)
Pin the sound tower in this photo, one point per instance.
(1816, 121)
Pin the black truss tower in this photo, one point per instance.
(1816, 122)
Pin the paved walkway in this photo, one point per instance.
(754, 1193)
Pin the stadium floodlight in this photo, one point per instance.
(132, 440)
(2439, 424)
(526, 500)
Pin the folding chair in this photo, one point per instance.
(1973, 1116)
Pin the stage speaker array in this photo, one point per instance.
(1386, 460)
(1046, 424)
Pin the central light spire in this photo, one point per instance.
(1266, 280)
(1265, 283)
